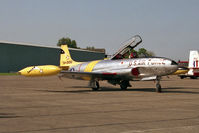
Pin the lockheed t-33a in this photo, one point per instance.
(116, 69)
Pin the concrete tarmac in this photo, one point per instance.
(49, 105)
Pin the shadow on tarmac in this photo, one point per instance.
(107, 89)
(7, 115)
(179, 90)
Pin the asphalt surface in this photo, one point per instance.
(49, 105)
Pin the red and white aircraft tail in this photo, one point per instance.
(193, 62)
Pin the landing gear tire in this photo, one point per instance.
(182, 77)
(158, 88)
(124, 84)
(96, 88)
(123, 87)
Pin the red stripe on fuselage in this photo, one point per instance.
(109, 73)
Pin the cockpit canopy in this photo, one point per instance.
(127, 47)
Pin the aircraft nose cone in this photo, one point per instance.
(22, 72)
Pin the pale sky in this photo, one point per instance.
(169, 28)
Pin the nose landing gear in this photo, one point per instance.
(158, 86)
(94, 85)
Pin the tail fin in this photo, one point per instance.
(193, 61)
(65, 59)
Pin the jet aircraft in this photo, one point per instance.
(193, 66)
(116, 70)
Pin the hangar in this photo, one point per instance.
(15, 56)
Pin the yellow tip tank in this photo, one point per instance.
(45, 70)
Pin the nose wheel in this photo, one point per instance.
(94, 85)
(158, 86)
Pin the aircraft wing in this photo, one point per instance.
(127, 46)
(88, 75)
(145, 73)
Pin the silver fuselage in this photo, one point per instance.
(147, 67)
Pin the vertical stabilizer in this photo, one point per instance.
(65, 59)
(193, 61)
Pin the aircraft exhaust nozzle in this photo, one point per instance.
(45, 70)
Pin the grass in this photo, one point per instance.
(7, 74)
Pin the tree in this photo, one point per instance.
(150, 53)
(142, 52)
(90, 48)
(67, 41)
(73, 44)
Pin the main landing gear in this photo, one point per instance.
(94, 85)
(158, 86)
(124, 84)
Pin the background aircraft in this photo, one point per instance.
(193, 66)
(115, 70)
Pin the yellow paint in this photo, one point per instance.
(65, 63)
(65, 59)
(180, 72)
(45, 70)
(90, 66)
